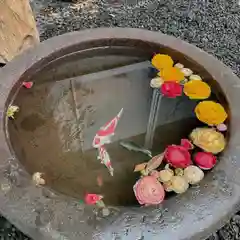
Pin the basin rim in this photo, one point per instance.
(188, 216)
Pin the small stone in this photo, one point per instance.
(179, 184)
(193, 174)
(195, 77)
(165, 175)
(156, 82)
(179, 65)
(187, 72)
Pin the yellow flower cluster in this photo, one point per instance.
(164, 64)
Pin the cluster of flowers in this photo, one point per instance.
(184, 166)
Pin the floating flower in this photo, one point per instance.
(222, 127)
(38, 179)
(179, 184)
(193, 174)
(186, 72)
(92, 198)
(171, 89)
(165, 175)
(27, 84)
(205, 160)
(156, 82)
(208, 139)
(186, 144)
(178, 156)
(160, 61)
(149, 191)
(179, 65)
(197, 89)
(12, 110)
(171, 74)
(195, 77)
(210, 112)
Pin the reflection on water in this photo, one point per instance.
(57, 121)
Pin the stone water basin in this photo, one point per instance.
(78, 87)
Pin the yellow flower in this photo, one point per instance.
(197, 89)
(160, 61)
(208, 139)
(210, 112)
(171, 74)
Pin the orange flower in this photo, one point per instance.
(210, 112)
(197, 89)
(171, 74)
(160, 61)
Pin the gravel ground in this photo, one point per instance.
(213, 25)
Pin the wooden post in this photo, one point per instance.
(17, 28)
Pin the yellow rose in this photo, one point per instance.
(197, 89)
(160, 61)
(171, 74)
(210, 112)
(208, 139)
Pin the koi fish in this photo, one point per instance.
(105, 133)
(105, 159)
(133, 147)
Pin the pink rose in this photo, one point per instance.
(149, 191)
(205, 160)
(171, 89)
(178, 156)
(92, 199)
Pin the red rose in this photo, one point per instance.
(92, 199)
(178, 156)
(149, 191)
(205, 160)
(171, 89)
(186, 143)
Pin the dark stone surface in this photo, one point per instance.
(211, 25)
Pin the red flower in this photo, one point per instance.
(27, 84)
(205, 160)
(92, 199)
(178, 156)
(171, 89)
(149, 191)
(186, 144)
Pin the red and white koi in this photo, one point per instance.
(105, 133)
(105, 159)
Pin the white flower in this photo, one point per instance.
(187, 72)
(179, 65)
(37, 178)
(193, 174)
(156, 82)
(195, 77)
